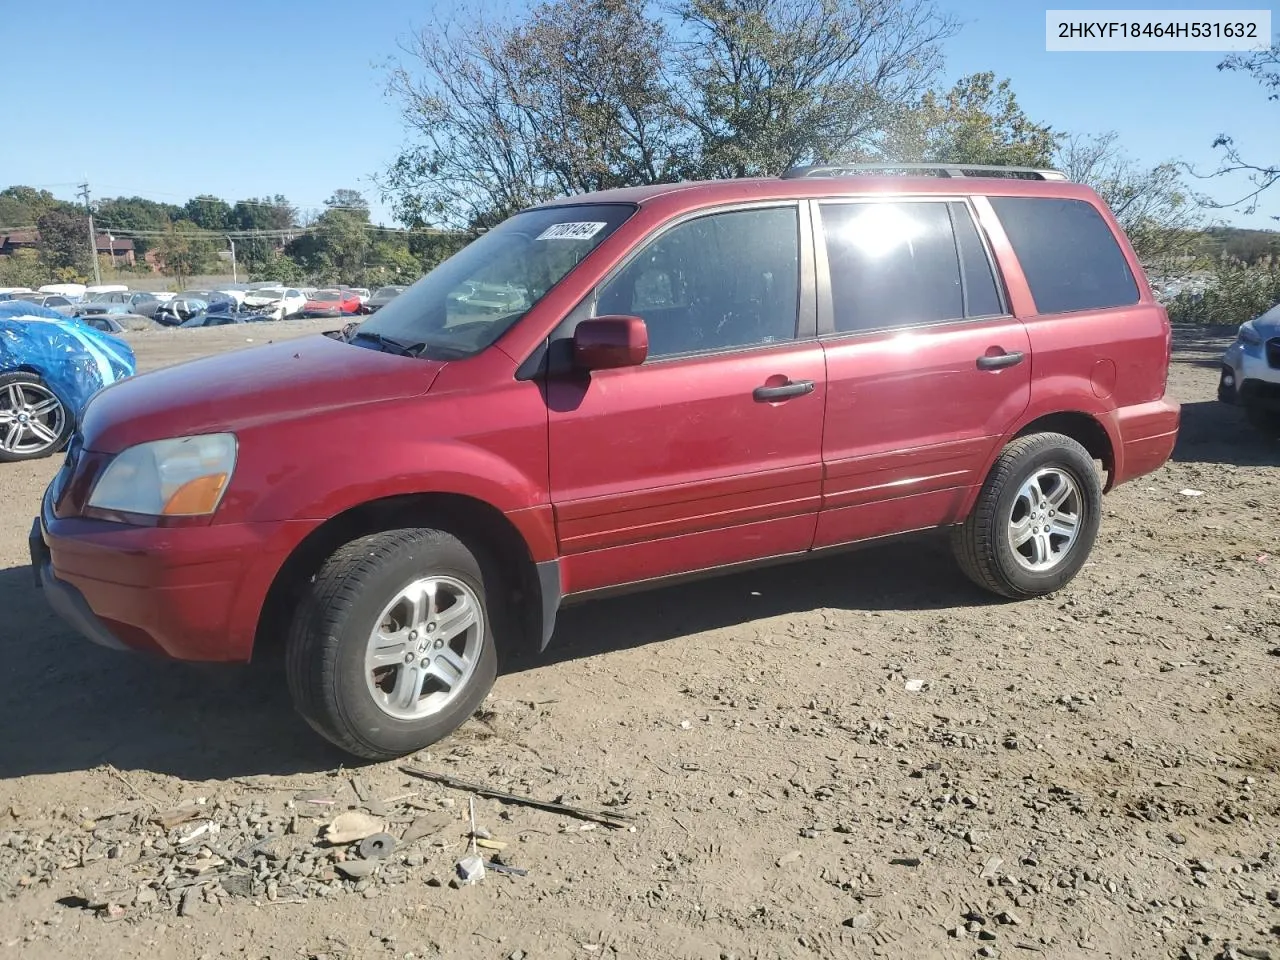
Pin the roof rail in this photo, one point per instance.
(925, 169)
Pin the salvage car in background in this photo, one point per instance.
(276, 303)
(129, 300)
(50, 365)
(104, 323)
(381, 297)
(181, 308)
(331, 303)
(221, 314)
(1251, 372)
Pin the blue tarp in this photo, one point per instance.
(75, 360)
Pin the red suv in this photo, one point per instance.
(618, 389)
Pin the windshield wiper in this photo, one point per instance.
(401, 347)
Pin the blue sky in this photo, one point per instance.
(168, 99)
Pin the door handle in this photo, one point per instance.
(1000, 360)
(794, 388)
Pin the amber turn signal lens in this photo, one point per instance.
(196, 497)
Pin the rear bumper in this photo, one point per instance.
(189, 593)
(1148, 432)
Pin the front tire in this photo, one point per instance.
(1035, 519)
(34, 423)
(393, 646)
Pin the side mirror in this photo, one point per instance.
(603, 343)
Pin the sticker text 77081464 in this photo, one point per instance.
(577, 230)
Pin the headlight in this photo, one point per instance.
(1249, 335)
(182, 477)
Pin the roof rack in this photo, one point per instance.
(925, 169)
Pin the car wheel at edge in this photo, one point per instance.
(392, 648)
(1035, 519)
(34, 423)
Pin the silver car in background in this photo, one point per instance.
(1251, 372)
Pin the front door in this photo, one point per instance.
(926, 369)
(708, 453)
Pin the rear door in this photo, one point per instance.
(926, 367)
(708, 453)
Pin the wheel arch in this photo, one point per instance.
(530, 588)
(1084, 428)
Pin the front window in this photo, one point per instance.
(467, 302)
(326, 296)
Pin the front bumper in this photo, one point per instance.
(189, 593)
(308, 314)
(67, 602)
(1247, 378)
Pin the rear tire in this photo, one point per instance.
(1266, 422)
(373, 623)
(34, 422)
(1035, 519)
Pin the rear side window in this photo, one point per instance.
(898, 264)
(1068, 254)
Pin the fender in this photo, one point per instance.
(1055, 396)
(320, 489)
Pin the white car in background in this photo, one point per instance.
(1251, 372)
(280, 303)
(72, 291)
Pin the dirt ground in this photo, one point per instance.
(1091, 774)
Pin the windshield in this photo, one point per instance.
(326, 296)
(387, 291)
(475, 296)
(99, 297)
(268, 292)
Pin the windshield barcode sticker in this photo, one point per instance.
(583, 230)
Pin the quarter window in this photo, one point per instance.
(1068, 254)
(720, 282)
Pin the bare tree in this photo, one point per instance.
(509, 115)
(1263, 66)
(583, 95)
(1153, 204)
(772, 83)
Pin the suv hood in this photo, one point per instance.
(1268, 325)
(246, 388)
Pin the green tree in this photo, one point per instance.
(186, 250)
(391, 261)
(264, 213)
(431, 248)
(64, 243)
(209, 213)
(22, 269)
(978, 120)
(336, 246)
(346, 199)
(278, 267)
(22, 206)
(136, 217)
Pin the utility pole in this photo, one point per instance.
(235, 277)
(93, 237)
